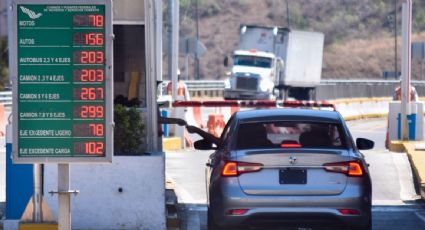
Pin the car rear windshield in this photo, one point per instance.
(290, 134)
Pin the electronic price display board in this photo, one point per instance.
(61, 70)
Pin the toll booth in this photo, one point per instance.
(414, 117)
(124, 194)
(3, 19)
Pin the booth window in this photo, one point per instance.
(129, 64)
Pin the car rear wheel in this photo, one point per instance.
(212, 225)
(368, 226)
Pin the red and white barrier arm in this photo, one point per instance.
(255, 103)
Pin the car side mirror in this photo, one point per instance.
(364, 144)
(204, 145)
(226, 61)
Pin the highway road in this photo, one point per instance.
(395, 203)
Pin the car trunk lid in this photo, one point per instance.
(292, 172)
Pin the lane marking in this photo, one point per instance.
(182, 194)
(397, 209)
(405, 176)
(198, 208)
(421, 215)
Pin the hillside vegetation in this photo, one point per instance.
(359, 34)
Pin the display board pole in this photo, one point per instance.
(64, 213)
(406, 67)
(37, 196)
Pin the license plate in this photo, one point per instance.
(292, 176)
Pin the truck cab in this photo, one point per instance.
(252, 75)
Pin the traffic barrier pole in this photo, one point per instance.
(198, 117)
(254, 103)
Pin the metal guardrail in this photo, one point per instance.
(219, 84)
(327, 90)
(205, 85)
(205, 88)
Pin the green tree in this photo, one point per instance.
(128, 132)
(4, 70)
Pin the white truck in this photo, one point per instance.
(275, 62)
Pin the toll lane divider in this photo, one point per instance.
(362, 108)
(417, 159)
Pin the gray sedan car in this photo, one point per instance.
(283, 168)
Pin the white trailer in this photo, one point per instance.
(295, 63)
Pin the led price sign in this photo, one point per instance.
(62, 81)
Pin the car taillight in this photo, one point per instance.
(237, 212)
(233, 168)
(350, 168)
(349, 211)
(290, 145)
(230, 169)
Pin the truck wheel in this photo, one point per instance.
(311, 94)
(276, 93)
(283, 95)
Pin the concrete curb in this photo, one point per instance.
(171, 144)
(360, 100)
(33, 226)
(417, 160)
(171, 203)
(365, 116)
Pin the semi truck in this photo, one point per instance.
(274, 62)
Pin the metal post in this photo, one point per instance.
(179, 131)
(187, 66)
(197, 40)
(64, 197)
(287, 14)
(175, 54)
(170, 38)
(158, 71)
(173, 40)
(37, 196)
(154, 64)
(158, 39)
(406, 67)
(395, 41)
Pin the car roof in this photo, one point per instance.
(289, 114)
